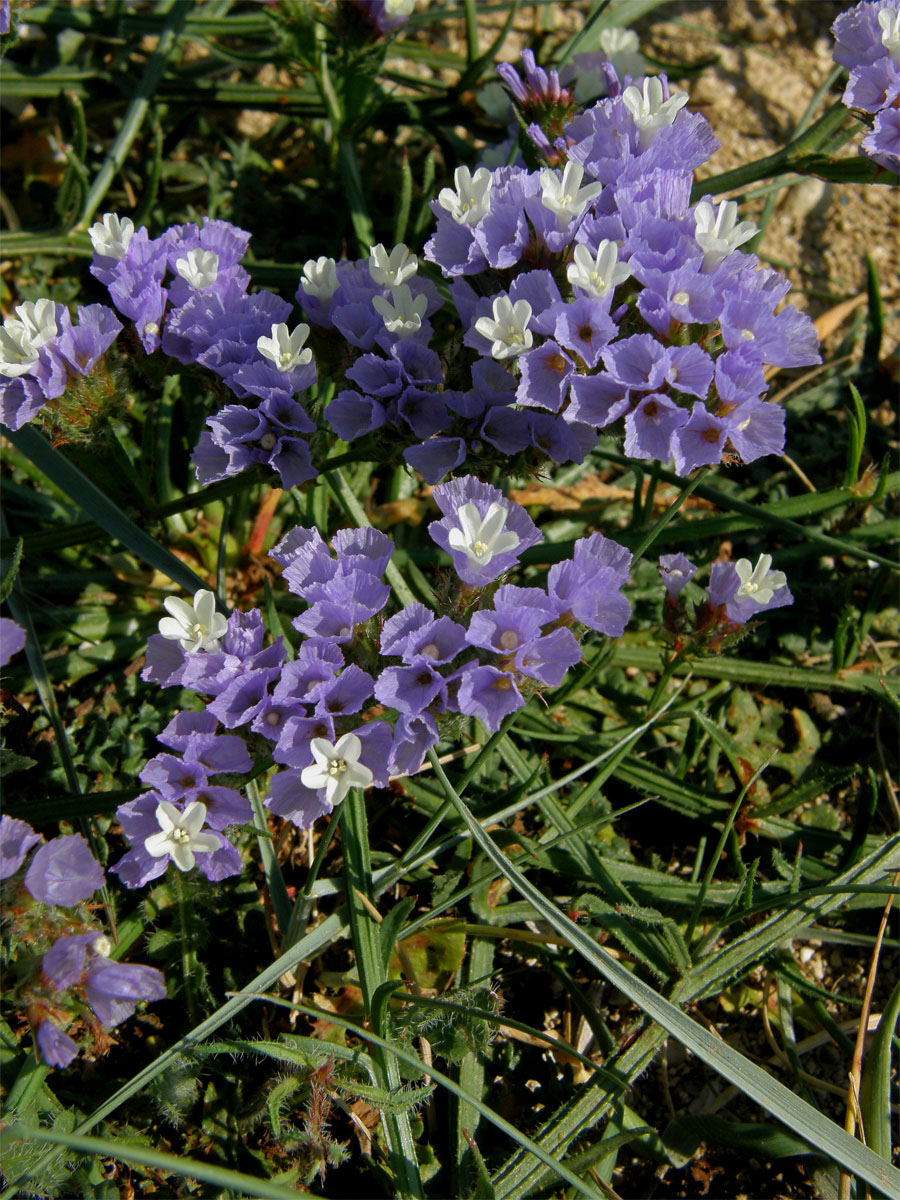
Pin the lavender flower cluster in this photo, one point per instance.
(581, 298)
(41, 351)
(75, 976)
(868, 45)
(365, 697)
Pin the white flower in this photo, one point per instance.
(180, 835)
(196, 626)
(472, 198)
(597, 275)
(390, 270)
(285, 349)
(564, 195)
(200, 268)
(508, 330)
(17, 353)
(480, 538)
(110, 237)
(717, 233)
(320, 278)
(337, 767)
(650, 111)
(402, 314)
(758, 583)
(889, 20)
(398, 8)
(39, 319)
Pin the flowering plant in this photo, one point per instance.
(416, 616)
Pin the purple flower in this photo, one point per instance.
(482, 531)
(57, 1048)
(410, 689)
(16, 839)
(488, 694)
(112, 989)
(883, 143)
(756, 429)
(266, 435)
(437, 456)
(650, 427)
(82, 345)
(587, 588)
(699, 441)
(289, 797)
(544, 381)
(413, 738)
(64, 872)
(12, 640)
(675, 571)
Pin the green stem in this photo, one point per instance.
(778, 163)
(281, 903)
(185, 906)
(343, 493)
(371, 962)
(137, 110)
(667, 516)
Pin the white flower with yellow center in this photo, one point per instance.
(403, 313)
(196, 626)
(180, 835)
(337, 768)
(564, 195)
(718, 231)
(472, 197)
(285, 349)
(390, 270)
(600, 273)
(199, 268)
(649, 110)
(508, 331)
(111, 236)
(758, 583)
(480, 538)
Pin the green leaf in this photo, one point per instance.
(172, 1164)
(100, 508)
(804, 1120)
(875, 1087)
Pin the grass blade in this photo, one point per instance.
(100, 508)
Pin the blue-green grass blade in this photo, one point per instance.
(101, 509)
(773, 1096)
(187, 1168)
(875, 1087)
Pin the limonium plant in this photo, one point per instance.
(568, 296)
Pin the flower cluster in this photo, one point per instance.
(181, 819)
(627, 302)
(737, 592)
(366, 696)
(867, 43)
(74, 977)
(41, 351)
(581, 297)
